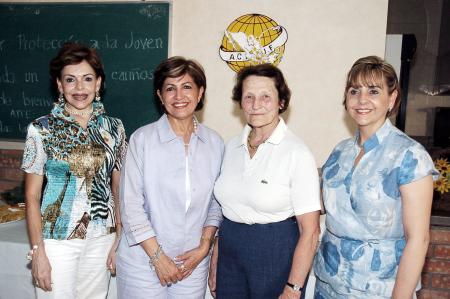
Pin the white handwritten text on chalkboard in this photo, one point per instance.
(31, 77)
(38, 43)
(5, 128)
(5, 100)
(35, 101)
(6, 76)
(131, 75)
(143, 43)
(21, 113)
(32, 34)
(26, 43)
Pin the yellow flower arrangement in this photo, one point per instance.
(442, 184)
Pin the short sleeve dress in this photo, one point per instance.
(364, 238)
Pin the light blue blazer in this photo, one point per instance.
(153, 195)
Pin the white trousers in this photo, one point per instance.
(78, 268)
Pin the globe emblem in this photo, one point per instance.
(253, 39)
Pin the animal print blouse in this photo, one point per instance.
(77, 164)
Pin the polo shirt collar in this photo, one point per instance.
(377, 138)
(166, 133)
(275, 138)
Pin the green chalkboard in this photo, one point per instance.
(132, 38)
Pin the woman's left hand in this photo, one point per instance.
(289, 293)
(111, 260)
(189, 260)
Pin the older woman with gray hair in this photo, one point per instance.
(269, 192)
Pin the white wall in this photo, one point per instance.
(325, 38)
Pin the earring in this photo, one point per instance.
(61, 98)
(390, 109)
(97, 96)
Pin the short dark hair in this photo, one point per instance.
(175, 67)
(263, 70)
(367, 70)
(74, 53)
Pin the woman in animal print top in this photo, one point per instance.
(77, 149)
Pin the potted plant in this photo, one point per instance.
(441, 204)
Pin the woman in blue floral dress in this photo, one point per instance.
(377, 192)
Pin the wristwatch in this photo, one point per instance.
(295, 287)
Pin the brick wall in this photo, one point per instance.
(11, 177)
(436, 271)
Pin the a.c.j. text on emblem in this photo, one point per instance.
(253, 39)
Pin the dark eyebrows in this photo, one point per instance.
(70, 75)
(182, 84)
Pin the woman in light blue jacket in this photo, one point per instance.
(169, 214)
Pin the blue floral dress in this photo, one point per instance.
(364, 239)
(77, 163)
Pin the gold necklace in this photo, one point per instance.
(250, 146)
(253, 147)
(78, 113)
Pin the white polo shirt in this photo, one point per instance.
(280, 181)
